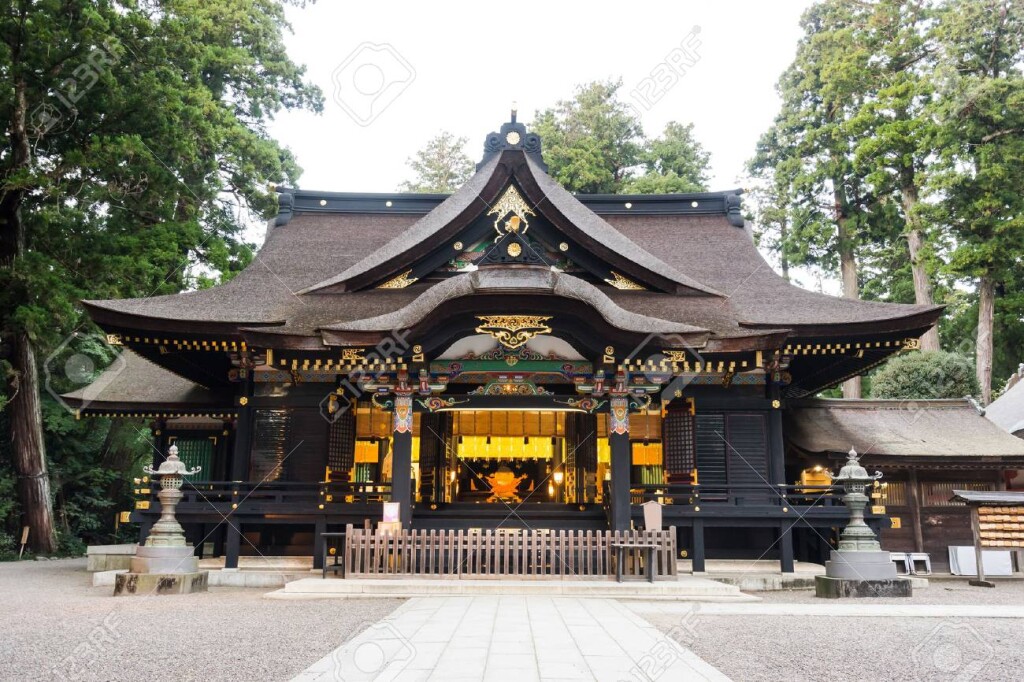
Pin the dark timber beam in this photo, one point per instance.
(618, 440)
(401, 457)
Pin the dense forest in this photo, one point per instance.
(895, 166)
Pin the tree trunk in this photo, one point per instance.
(783, 236)
(915, 242)
(29, 450)
(986, 319)
(848, 269)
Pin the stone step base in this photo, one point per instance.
(149, 584)
(687, 588)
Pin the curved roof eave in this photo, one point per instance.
(525, 280)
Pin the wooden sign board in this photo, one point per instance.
(1001, 526)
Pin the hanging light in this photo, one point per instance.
(551, 490)
(559, 476)
(526, 440)
(488, 440)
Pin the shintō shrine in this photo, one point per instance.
(509, 356)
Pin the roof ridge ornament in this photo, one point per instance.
(512, 135)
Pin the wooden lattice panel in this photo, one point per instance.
(1001, 526)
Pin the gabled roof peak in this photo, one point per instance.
(512, 135)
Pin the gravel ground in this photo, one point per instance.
(752, 648)
(949, 591)
(54, 625)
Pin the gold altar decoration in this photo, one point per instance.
(400, 282)
(511, 202)
(513, 331)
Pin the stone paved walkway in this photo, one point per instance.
(511, 638)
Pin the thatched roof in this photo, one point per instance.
(947, 429)
(133, 383)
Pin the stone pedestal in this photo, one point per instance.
(168, 560)
(836, 588)
(861, 574)
(142, 584)
(162, 570)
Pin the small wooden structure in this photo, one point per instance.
(997, 519)
(512, 554)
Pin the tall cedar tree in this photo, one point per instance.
(594, 143)
(137, 146)
(981, 140)
(442, 166)
(833, 211)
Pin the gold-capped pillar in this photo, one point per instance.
(401, 456)
(618, 441)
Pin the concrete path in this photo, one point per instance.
(833, 609)
(511, 638)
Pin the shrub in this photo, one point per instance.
(925, 375)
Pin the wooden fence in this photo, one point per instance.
(536, 554)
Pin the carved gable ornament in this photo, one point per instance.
(511, 205)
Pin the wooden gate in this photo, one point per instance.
(535, 554)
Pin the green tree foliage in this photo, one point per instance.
(594, 143)
(896, 161)
(673, 163)
(442, 166)
(137, 153)
(981, 140)
(925, 375)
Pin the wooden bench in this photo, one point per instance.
(620, 557)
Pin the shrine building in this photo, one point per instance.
(508, 356)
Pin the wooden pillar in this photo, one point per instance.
(159, 430)
(241, 453)
(319, 528)
(698, 547)
(401, 457)
(786, 546)
(776, 442)
(618, 439)
(914, 501)
(232, 542)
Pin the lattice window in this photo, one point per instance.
(341, 444)
(679, 443)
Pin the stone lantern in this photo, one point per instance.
(859, 567)
(166, 563)
(167, 532)
(854, 480)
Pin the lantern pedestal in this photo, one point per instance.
(860, 574)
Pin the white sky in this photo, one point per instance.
(472, 60)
